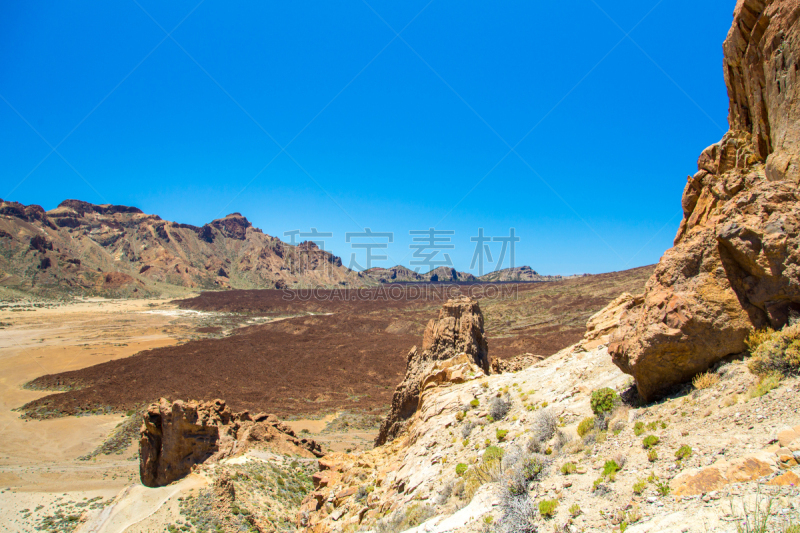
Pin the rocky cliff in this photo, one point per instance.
(112, 250)
(735, 262)
(177, 436)
(458, 330)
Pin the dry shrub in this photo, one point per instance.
(775, 351)
(544, 425)
(705, 380)
(498, 408)
(619, 418)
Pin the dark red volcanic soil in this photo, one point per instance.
(351, 359)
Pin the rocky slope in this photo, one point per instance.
(179, 435)
(81, 248)
(714, 449)
(523, 273)
(734, 265)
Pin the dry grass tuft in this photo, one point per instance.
(705, 380)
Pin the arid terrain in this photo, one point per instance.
(329, 366)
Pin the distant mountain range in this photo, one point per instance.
(112, 250)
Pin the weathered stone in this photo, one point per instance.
(734, 265)
(176, 436)
(787, 479)
(458, 330)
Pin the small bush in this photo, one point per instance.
(662, 487)
(775, 352)
(652, 456)
(585, 426)
(519, 514)
(610, 467)
(460, 415)
(638, 428)
(467, 428)
(639, 486)
(597, 482)
(492, 453)
(603, 400)
(498, 408)
(489, 418)
(650, 441)
(705, 380)
(544, 425)
(683, 452)
(415, 515)
(461, 468)
(568, 468)
(765, 384)
(501, 434)
(475, 403)
(547, 508)
(574, 510)
(465, 443)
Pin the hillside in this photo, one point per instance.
(111, 250)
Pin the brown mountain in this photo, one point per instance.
(113, 250)
(523, 273)
(400, 273)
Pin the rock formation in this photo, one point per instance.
(735, 264)
(77, 246)
(176, 436)
(458, 330)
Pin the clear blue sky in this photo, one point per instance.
(392, 133)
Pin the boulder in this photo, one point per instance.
(458, 330)
(177, 436)
(734, 265)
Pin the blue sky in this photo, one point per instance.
(543, 117)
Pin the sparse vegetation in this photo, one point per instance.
(574, 510)
(544, 427)
(610, 467)
(765, 384)
(586, 425)
(475, 403)
(603, 400)
(639, 486)
(638, 428)
(775, 352)
(568, 468)
(683, 452)
(705, 380)
(650, 441)
(663, 487)
(547, 508)
(498, 408)
(461, 468)
(492, 453)
(501, 434)
(652, 456)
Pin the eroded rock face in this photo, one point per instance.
(735, 262)
(176, 436)
(458, 330)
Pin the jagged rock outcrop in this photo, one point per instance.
(736, 260)
(458, 330)
(176, 436)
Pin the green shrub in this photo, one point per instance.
(652, 456)
(597, 483)
(663, 487)
(683, 452)
(415, 515)
(501, 434)
(610, 467)
(492, 453)
(765, 384)
(638, 428)
(639, 486)
(465, 443)
(475, 403)
(603, 400)
(574, 510)
(775, 351)
(650, 441)
(586, 425)
(568, 468)
(547, 508)
(489, 418)
(461, 468)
